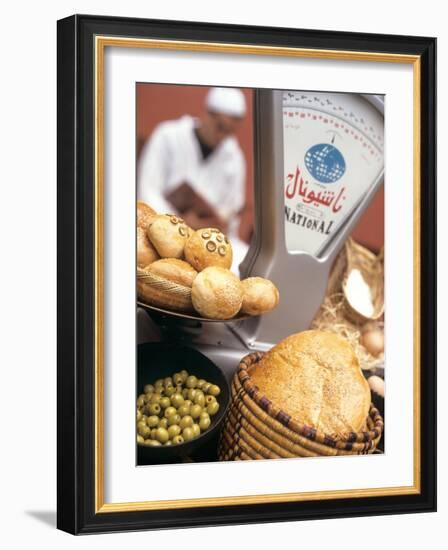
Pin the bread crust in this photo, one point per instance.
(146, 253)
(259, 296)
(315, 377)
(217, 293)
(168, 234)
(208, 247)
(174, 270)
(145, 214)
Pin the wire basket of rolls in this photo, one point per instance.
(181, 270)
(306, 397)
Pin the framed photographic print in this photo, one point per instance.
(246, 274)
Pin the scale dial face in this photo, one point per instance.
(333, 154)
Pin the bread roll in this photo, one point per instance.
(167, 284)
(217, 293)
(168, 234)
(260, 296)
(146, 253)
(176, 271)
(208, 247)
(315, 377)
(145, 214)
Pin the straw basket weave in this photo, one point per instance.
(161, 292)
(372, 268)
(255, 428)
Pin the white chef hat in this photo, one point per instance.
(228, 101)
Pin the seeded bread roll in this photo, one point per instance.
(260, 296)
(168, 234)
(145, 214)
(208, 247)
(176, 271)
(146, 253)
(217, 293)
(315, 377)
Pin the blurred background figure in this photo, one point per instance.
(193, 166)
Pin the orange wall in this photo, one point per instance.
(159, 102)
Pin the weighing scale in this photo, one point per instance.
(318, 162)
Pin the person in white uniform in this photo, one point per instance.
(194, 167)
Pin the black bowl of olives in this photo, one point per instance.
(182, 397)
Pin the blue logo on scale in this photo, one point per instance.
(325, 163)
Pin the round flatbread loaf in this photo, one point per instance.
(168, 234)
(315, 377)
(217, 293)
(145, 214)
(260, 296)
(208, 247)
(146, 253)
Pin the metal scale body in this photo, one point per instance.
(348, 129)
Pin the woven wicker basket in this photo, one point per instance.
(160, 292)
(372, 269)
(255, 428)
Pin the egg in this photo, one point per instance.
(376, 385)
(373, 341)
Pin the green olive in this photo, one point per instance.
(158, 386)
(177, 439)
(185, 393)
(183, 410)
(168, 443)
(179, 388)
(174, 430)
(200, 383)
(141, 400)
(165, 402)
(204, 422)
(206, 387)
(152, 421)
(168, 381)
(173, 419)
(191, 393)
(196, 430)
(170, 390)
(214, 390)
(177, 400)
(213, 408)
(153, 433)
(186, 422)
(188, 402)
(143, 430)
(149, 388)
(153, 443)
(148, 442)
(140, 439)
(162, 435)
(155, 398)
(154, 408)
(199, 398)
(210, 399)
(191, 381)
(184, 375)
(148, 396)
(139, 415)
(195, 411)
(169, 411)
(178, 379)
(188, 434)
(163, 423)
